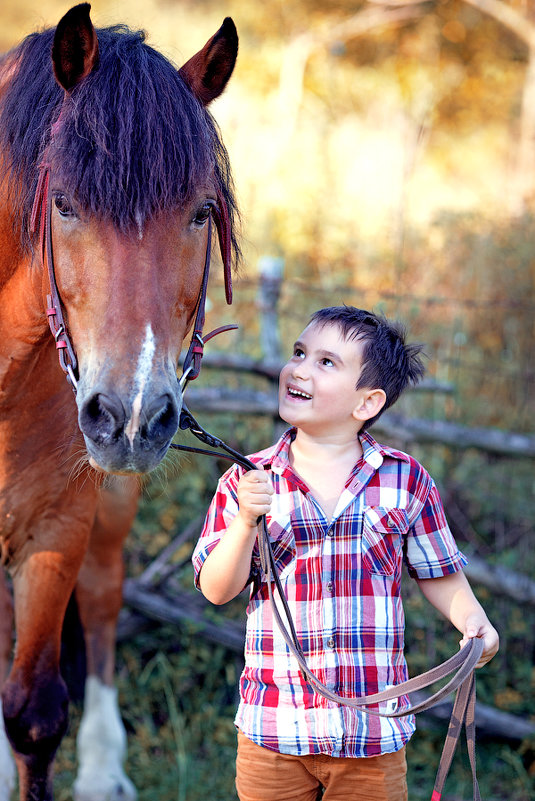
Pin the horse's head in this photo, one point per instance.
(136, 169)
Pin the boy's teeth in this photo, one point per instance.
(299, 394)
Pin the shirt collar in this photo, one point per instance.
(277, 457)
(374, 453)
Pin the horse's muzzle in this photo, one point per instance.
(124, 437)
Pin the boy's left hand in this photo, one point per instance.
(479, 626)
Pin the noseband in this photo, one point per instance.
(42, 215)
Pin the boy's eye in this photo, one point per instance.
(299, 353)
(327, 362)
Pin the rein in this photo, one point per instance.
(462, 664)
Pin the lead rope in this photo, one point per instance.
(462, 664)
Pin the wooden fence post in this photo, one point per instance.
(271, 271)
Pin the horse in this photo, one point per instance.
(111, 171)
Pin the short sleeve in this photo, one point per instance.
(222, 510)
(431, 550)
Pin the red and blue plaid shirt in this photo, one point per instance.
(342, 581)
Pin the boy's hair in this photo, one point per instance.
(388, 362)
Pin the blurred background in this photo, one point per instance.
(384, 156)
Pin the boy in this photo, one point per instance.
(343, 513)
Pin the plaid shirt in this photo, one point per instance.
(342, 582)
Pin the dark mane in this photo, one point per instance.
(133, 138)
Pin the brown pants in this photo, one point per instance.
(264, 775)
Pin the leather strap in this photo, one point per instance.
(42, 211)
(192, 361)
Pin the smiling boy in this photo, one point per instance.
(344, 513)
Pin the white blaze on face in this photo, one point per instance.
(143, 371)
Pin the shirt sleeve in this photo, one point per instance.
(222, 510)
(431, 549)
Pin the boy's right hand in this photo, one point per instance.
(254, 496)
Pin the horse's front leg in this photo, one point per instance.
(35, 697)
(7, 765)
(101, 741)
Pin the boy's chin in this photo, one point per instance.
(286, 418)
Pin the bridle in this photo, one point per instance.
(42, 215)
(462, 664)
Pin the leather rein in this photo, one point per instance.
(462, 664)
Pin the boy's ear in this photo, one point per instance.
(369, 403)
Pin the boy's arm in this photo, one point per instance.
(226, 570)
(454, 598)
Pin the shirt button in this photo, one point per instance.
(330, 642)
(330, 586)
(390, 523)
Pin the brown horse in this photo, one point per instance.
(111, 169)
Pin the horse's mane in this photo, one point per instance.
(133, 139)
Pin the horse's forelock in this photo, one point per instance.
(132, 140)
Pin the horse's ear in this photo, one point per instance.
(75, 48)
(208, 72)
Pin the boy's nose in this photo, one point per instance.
(300, 369)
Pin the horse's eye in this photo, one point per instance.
(202, 214)
(63, 205)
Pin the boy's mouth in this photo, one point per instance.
(298, 394)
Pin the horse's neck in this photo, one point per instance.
(23, 324)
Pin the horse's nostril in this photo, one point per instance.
(161, 417)
(102, 417)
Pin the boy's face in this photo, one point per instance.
(317, 385)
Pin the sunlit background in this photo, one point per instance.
(384, 154)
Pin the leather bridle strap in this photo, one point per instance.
(42, 211)
(192, 361)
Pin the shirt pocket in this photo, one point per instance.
(383, 533)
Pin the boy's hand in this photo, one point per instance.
(479, 626)
(254, 496)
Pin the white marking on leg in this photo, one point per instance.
(143, 370)
(7, 764)
(101, 747)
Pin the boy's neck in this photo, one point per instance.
(328, 448)
(325, 465)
